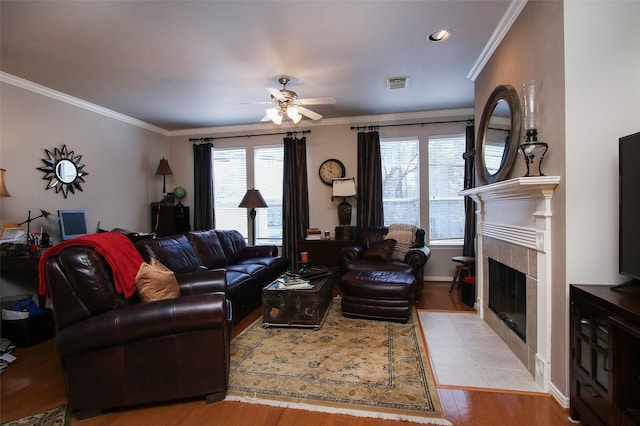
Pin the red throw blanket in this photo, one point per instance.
(116, 248)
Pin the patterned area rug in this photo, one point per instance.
(59, 416)
(358, 367)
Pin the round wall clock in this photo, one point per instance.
(331, 169)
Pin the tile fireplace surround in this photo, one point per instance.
(514, 228)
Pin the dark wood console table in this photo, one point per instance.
(324, 252)
(605, 355)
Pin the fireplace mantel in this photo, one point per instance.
(514, 226)
(533, 187)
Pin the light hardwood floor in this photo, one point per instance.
(34, 383)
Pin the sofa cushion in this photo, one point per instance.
(381, 249)
(155, 281)
(378, 264)
(91, 278)
(275, 264)
(175, 252)
(208, 247)
(233, 244)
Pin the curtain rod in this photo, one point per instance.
(377, 126)
(209, 139)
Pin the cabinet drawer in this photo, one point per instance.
(593, 400)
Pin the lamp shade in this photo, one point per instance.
(345, 187)
(274, 115)
(253, 199)
(3, 188)
(163, 168)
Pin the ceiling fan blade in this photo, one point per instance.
(276, 94)
(317, 101)
(265, 118)
(308, 113)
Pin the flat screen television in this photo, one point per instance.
(629, 229)
(73, 223)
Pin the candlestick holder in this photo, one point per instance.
(304, 267)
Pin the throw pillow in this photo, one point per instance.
(155, 281)
(405, 237)
(381, 249)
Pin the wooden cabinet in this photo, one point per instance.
(169, 219)
(605, 355)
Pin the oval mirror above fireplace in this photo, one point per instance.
(498, 134)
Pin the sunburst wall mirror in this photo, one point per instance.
(63, 170)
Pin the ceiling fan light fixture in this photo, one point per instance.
(274, 115)
(294, 115)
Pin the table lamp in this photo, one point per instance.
(253, 200)
(345, 187)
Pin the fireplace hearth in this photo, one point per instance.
(508, 296)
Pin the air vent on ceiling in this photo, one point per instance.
(397, 83)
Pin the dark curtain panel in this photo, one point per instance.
(468, 248)
(203, 215)
(369, 183)
(295, 198)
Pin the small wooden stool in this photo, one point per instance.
(465, 266)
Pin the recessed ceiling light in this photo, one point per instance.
(439, 35)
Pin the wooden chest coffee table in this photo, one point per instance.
(297, 308)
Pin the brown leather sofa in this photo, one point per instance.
(249, 268)
(119, 352)
(354, 258)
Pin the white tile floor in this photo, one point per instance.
(466, 352)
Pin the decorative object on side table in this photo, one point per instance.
(532, 149)
(179, 193)
(63, 170)
(345, 187)
(253, 200)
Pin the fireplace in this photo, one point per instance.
(514, 229)
(508, 296)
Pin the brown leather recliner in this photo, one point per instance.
(354, 259)
(118, 352)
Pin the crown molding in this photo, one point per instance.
(363, 120)
(62, 97)
(499, 33)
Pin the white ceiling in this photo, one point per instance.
(192, 64)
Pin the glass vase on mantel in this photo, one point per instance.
(532, 149)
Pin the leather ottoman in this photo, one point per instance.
(380, 295)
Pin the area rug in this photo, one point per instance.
(358, 367)
(59, 416)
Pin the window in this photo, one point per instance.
(400, 181)
(232, 176)
(229, 186)
(269, 164)
(446, 179)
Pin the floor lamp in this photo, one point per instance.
(253, 200)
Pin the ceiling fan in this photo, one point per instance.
(288, 104)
